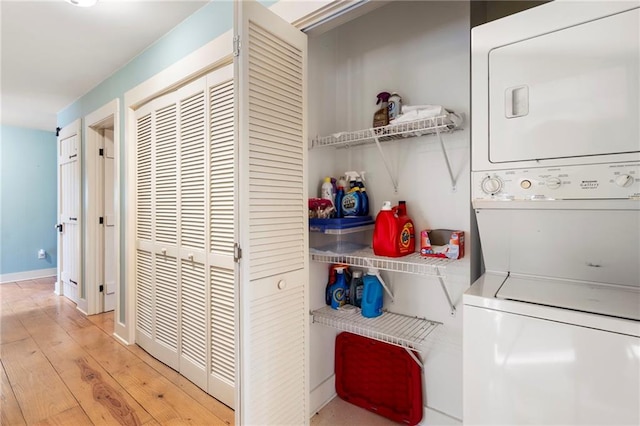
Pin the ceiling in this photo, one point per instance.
(52, 53)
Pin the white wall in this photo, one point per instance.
(420, 50)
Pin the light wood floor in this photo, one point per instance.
(59, 367)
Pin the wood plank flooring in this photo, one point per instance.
(59, 367)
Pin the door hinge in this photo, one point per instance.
(236, 45)
(101, 288)
(58, 131)
(59, 226)
(237, 253)
(101, 152)
(101, 220)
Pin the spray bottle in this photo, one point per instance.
(381, 116)
(352, 200)
(363, 194)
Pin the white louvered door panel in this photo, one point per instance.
(144, 298)
(223, 234)
(166, 310)
(144, 195)
(274, 326)
(156, 269)
(194, 285)
(166, 212)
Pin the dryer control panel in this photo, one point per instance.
(583, 182)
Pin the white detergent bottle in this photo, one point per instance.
(327, 191)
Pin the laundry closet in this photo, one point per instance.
(421, 51)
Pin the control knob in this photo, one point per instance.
(624, 180)
(553, 183)
(491, 185)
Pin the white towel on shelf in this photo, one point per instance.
(422, 112)
(419, 112)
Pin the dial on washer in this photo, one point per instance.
(491, 185)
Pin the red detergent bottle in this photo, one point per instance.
(393, 235)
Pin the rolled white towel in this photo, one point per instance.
(419, 112)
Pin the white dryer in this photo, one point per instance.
(552, 329)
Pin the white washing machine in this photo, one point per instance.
(552, 329)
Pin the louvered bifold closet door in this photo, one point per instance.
(223, 234)
(194, 287)
(156, 214)
(273, 226)
(144, 235)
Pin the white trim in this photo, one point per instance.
(28, 275)
(322, 395)
(434, 417)
(120, 339)
(92, 302)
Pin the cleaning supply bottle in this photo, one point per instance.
(355, 288)
(352, 203)
(381, 116)
(338, 289)
(393, 234)
(395, 106)
(352, 178)
(371, 295)
(363, 194)
(385, 232)
(338, 201)
(326, 191)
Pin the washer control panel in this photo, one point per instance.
(584, 182)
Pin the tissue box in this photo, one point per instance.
(444, 243)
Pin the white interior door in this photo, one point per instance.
(273, 306)
(109, 220)
(69, 210)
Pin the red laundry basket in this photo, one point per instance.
(378, 377)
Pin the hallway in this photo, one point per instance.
(59, 367)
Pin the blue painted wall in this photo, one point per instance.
(28, 200)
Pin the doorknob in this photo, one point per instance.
(282, 284)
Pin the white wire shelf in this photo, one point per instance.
(397, 329)
(410, 264)
(425, 126)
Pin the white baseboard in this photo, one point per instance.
(121, 339)
(28, 275)
(322, 395)
(433, 417)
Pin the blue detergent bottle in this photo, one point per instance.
(364, 198)
(339, 289)
(338, 202)
(372, 295)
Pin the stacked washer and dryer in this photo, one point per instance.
(552, 328)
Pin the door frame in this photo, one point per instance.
(68, 130)
(92, 190)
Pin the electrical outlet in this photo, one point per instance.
(41, 254)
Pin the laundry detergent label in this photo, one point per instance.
(406, 238)
(350, 205)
